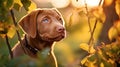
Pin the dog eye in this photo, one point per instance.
(45, 20)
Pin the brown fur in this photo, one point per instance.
(42, 27)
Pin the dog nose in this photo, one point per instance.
(60, 29)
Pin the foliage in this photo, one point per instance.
(6, 22)
(7, 27)
(78, 49)
(103, 56)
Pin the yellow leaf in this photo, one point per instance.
(18, 1)
(117, 25)
(108, 2)
(11, 32)
(91, 64)
(32, 7)
(112, 33)
(1, 29)
(92, 50)
(2, 35)
(101, 65)
(118, 7)
(84, 46)
(84, 60)
(99, 51)
(111, 61)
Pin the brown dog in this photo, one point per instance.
(42, 28)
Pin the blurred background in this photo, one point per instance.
(92, 26)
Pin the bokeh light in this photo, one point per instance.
(75, 3)
(60, 3)
(81, 3)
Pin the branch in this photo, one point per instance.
(100, 2)
(92, 33)
(91, 40)
(8, 45)
(15, 23)
(88, 17)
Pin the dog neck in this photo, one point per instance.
(37, 44)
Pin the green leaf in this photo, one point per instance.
(5, 6)
(2, 2)
(18, 2)
(3, 11)
(26, 4)
(3, 28)
(106, 64)
(17, 6)
(9, 4)
(92, 58)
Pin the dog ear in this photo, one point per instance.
(28, 23)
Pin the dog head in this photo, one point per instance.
(47, 23)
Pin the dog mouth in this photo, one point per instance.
(56, 38)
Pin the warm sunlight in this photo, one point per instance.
(92, 3)
(60, 3)
(59, 33)
(75, 3)
(81, 3)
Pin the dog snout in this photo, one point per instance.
(60, 29)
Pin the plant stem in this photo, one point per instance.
(91, 40)
(90, 43)
(8, 45)
(91, 33)
(88, 17)
(100, 2)
(15, 23)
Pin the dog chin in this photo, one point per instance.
(58, 38)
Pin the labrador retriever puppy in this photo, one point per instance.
(42, 28)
